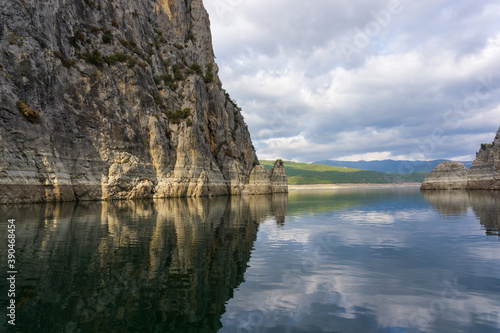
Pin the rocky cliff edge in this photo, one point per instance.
(484, 174)
(116, 100)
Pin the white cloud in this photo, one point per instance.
(303, 100)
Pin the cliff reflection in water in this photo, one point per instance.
(485, 204)
(152, 266)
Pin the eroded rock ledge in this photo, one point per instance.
(117, 100)
(484, 173)
(267, 182)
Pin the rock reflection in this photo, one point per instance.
(448, 203)
(485, 204)
(154, 266)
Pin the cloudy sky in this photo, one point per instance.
(362, 79)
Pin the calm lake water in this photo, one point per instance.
(390, 260)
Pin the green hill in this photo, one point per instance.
(302, 174)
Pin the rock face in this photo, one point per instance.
(484, 173)
(115, 100)
(259, 182)
(266, 182)
(446, 176)
(277, 176)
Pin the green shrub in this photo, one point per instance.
(115, 24)
(94, 58)
(189, 37)
(209, 75)
(110, 59)
(484, 146)
(177, 73)
(95, 30)
(121, 57)
(131, 62)
(107, 37)
(77, 37)
(167, 78)
(64, 61)
(189, 122)
(185, 113)
(114, 58)
(178, 115)
(30, 114)
(156, 42)
(196, 68)
(91, 4)
(157, 98)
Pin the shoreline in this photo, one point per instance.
(349, 186)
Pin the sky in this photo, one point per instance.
(361, 79)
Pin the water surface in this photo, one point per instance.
(390, 260)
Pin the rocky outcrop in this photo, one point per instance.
(259, 182)
(115, 100)
(273, 180)
(277, 176)
(484, 173)
(446, 176)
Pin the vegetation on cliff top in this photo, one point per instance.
(304, 174)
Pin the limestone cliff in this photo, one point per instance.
(266, 182)
(113, 100)
(484, 173)
(446, 176)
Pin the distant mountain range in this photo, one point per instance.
(390, 166)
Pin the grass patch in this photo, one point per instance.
(305, 174)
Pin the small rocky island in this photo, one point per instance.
(118, 100)
(484, 173)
